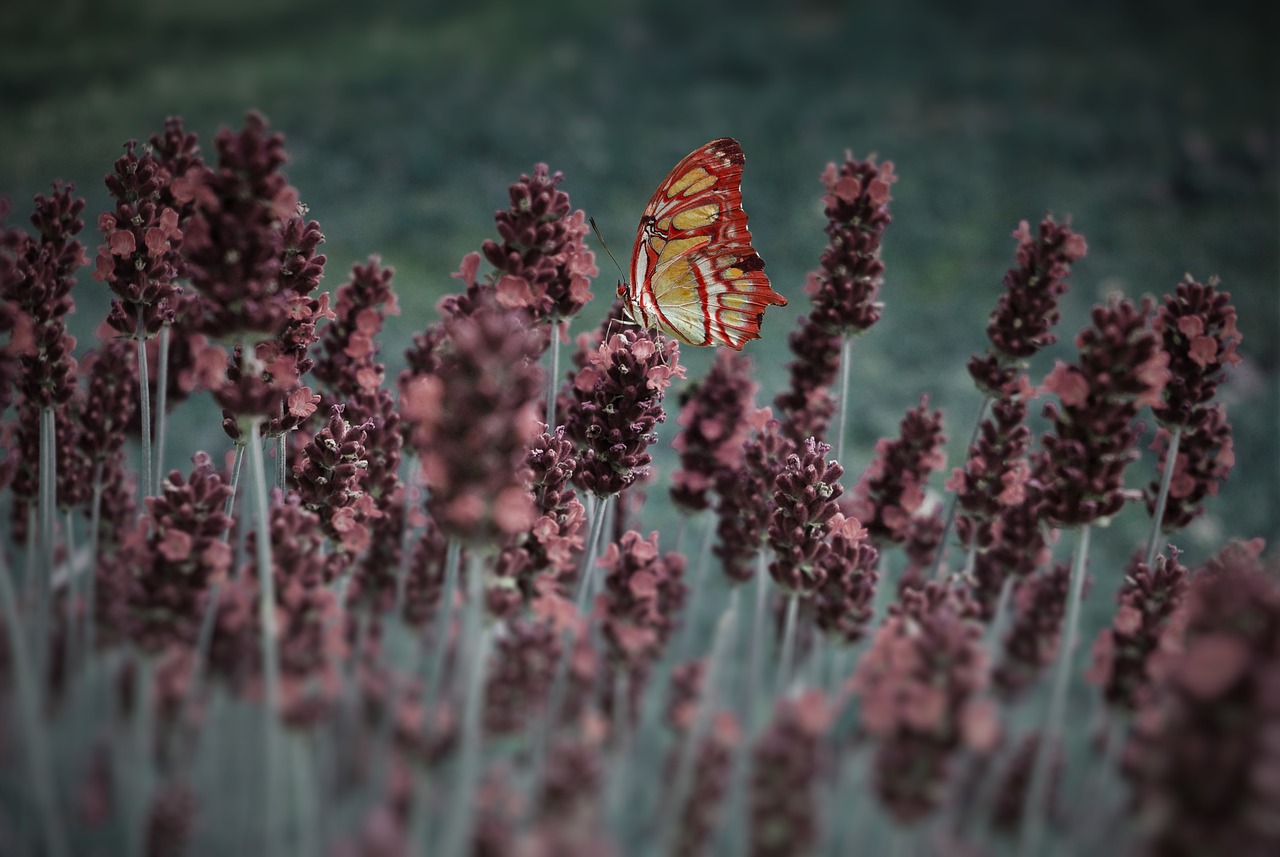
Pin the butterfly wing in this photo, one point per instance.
(694, 273)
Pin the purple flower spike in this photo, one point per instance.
(892, 490)
(716, 418)
(806, 490)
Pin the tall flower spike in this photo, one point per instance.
(845, 287)
(745, 506)
(1148, 598)
(1201, 757)
(329, 477)
(995, 474)
(806, 406)
(1023, 320)
(138, 258)
(843, 606)
(892, 489)
(1197, 326)
(1122, 367)
(1205, 457)
(920, 686)
(806, 490)
(643, 593)
(1031, 643)
(787, 763)
(472, 424)
(715, 418)
(616, 404)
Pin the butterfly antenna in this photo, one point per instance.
(604, 244)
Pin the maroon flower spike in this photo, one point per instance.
(554, 541)
(1197, 325)
(616, 404)
(892, 489)
(521, 672)
(1019, 547)
(348, 364)
(1031, 643)
(843, 605)
(1009, 806)
(541, 264)
(994, 477)
(1023, 320)
(716, 417)
(36, 275)
(806, 490)
(787, 763)
(745, 506)
(844, 289)
(312, 630)
(643, 592)
(1122, 367)
(1205, 457)
(138, 258)
(424, 578)
(1148, 598)
(1201, 758)
(806, 406)
(110, 405)
(329, 478)
(472, 425)
(919, 685)
(712, 776)
(166, 574)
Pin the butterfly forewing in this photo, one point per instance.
(694, 273)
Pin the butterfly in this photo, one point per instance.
(694, 273)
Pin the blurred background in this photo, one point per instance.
(1153, 127)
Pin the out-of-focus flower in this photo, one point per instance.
(1031, 643)
(716, 418)
(787, 764)
(745, 508)
(521, 672)
(843, 605)
(643, 593)
(1202, 758)
(472, 423)
(920, 686)
(1147, 600)
(805, 407)
(892, 490)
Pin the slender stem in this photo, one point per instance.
(586, 579)
(441, 622)
(162, 405)
(91, 585)
(266, 616)
(35, 746)
(755, 656)
(553, 377)
(48, 498)
(1033, 825)
(282, 459)
(305, 798)
(461, 819)
(692, 742)
(937, 570)
(688, 634)
(788, 643)
(1162, 499)
(144, 403)
(846, 355)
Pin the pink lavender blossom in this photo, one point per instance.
(805, 493)
(616, 405)
(715, 418)
(787, 765)
(745, 508)
(892, 490)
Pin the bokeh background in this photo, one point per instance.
(1152, 125)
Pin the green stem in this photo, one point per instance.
(35, 746)
(788, 643)
(553, 377)
(846, 354)
(48, 498)
(1035, 812)
(461, 819)
(755, 656)
(441, 622)
(586, 579)
(1162, 499)
(267, 619)
(144, 404)
(688, 634)
(937, 569)
(91, 585)
(162, 405)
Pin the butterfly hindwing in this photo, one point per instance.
(694, 273)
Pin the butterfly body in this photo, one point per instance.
(694, 273)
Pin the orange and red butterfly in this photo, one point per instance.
(694, 273)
